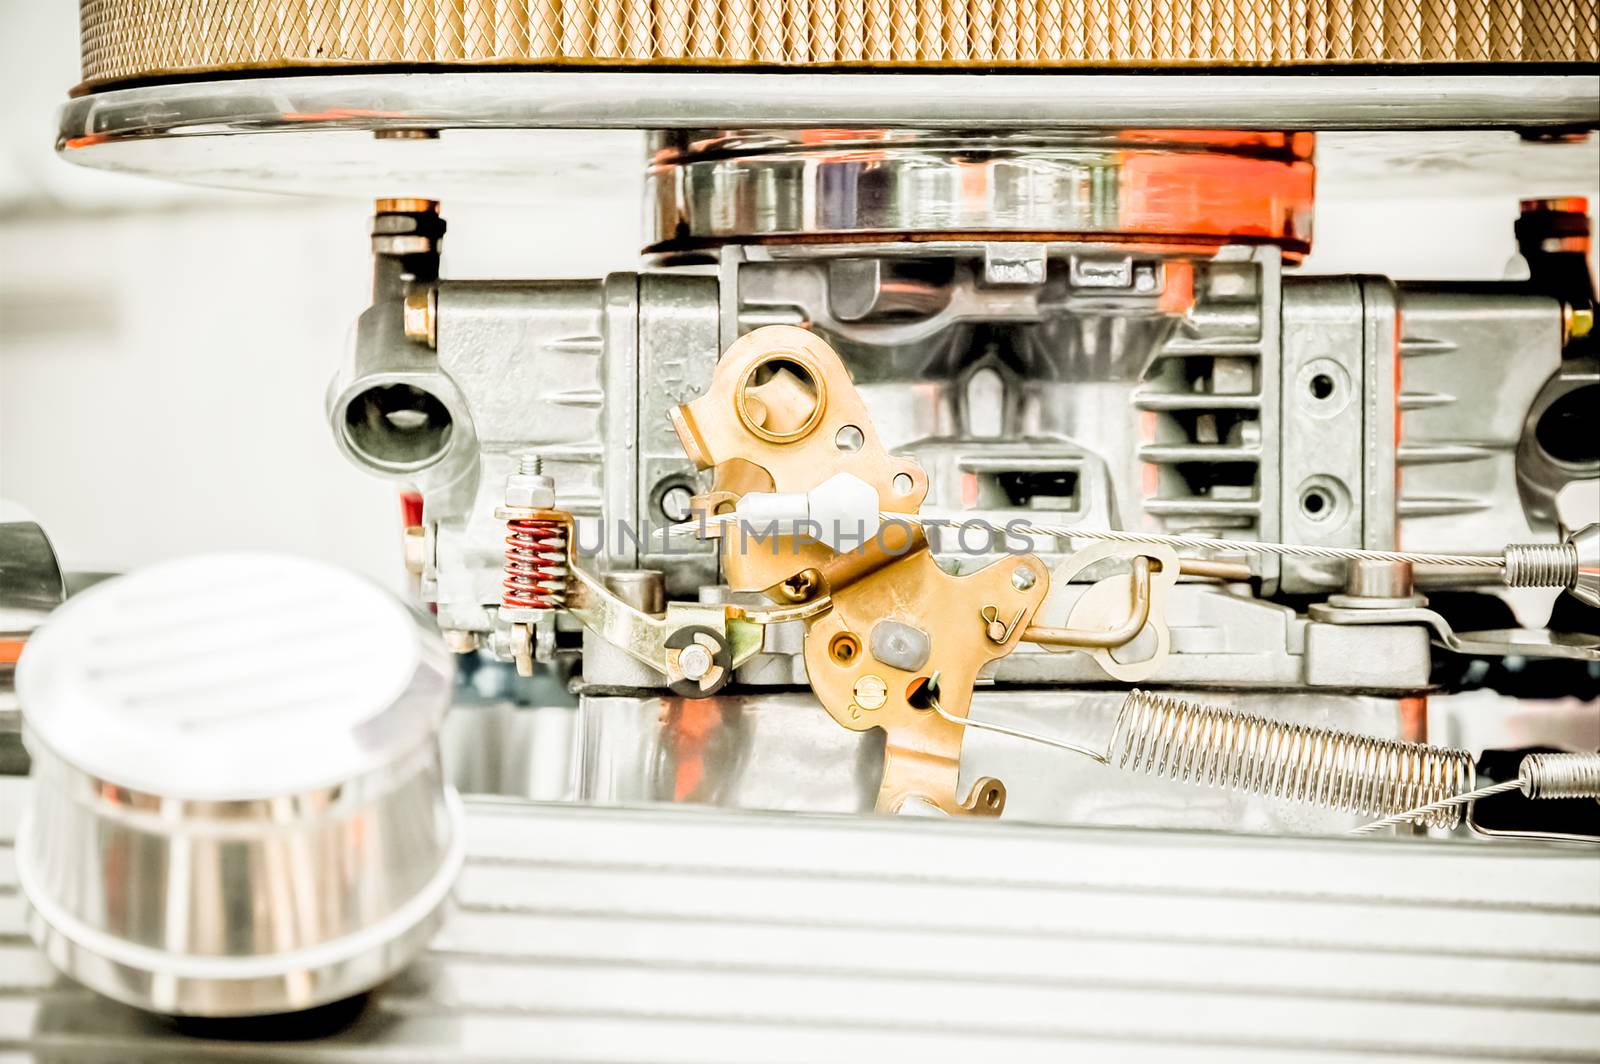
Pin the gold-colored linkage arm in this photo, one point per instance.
(1107, 638)
(1138, 607)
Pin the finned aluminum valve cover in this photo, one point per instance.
(132, 39)
(237, 805)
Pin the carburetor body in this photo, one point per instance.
(968, 379)
(1091, 331)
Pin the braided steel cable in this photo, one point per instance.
(1295, 550)
(1236, 546)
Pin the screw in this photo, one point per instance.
(530, 465)
(871, 692)
(801, 585)
(694, 661)
(1023, 577)
(675, 503)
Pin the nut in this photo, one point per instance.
(531, 491)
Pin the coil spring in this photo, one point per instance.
(536, 565)
(1186, 741)
(1560, 775)
(1540, 564)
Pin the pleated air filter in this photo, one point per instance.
(132, 39)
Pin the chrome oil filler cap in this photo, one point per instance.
(237, 806)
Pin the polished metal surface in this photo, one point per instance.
(95, 129)
(132, 39)
(778, 750)
(772, 751)
(1585, 585)
(673, 935)
(31, 585)
(887, 184)
(236, 809)
(596, 169)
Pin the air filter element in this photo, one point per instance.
(132, 39)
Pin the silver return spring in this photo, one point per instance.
(1196, 743)
(1539, 776)
(1401, 782)
(1192, 742)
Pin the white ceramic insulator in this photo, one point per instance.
(842, 511)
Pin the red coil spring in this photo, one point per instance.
(536, 565)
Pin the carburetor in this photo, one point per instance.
(954, 399)
(927, 422)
